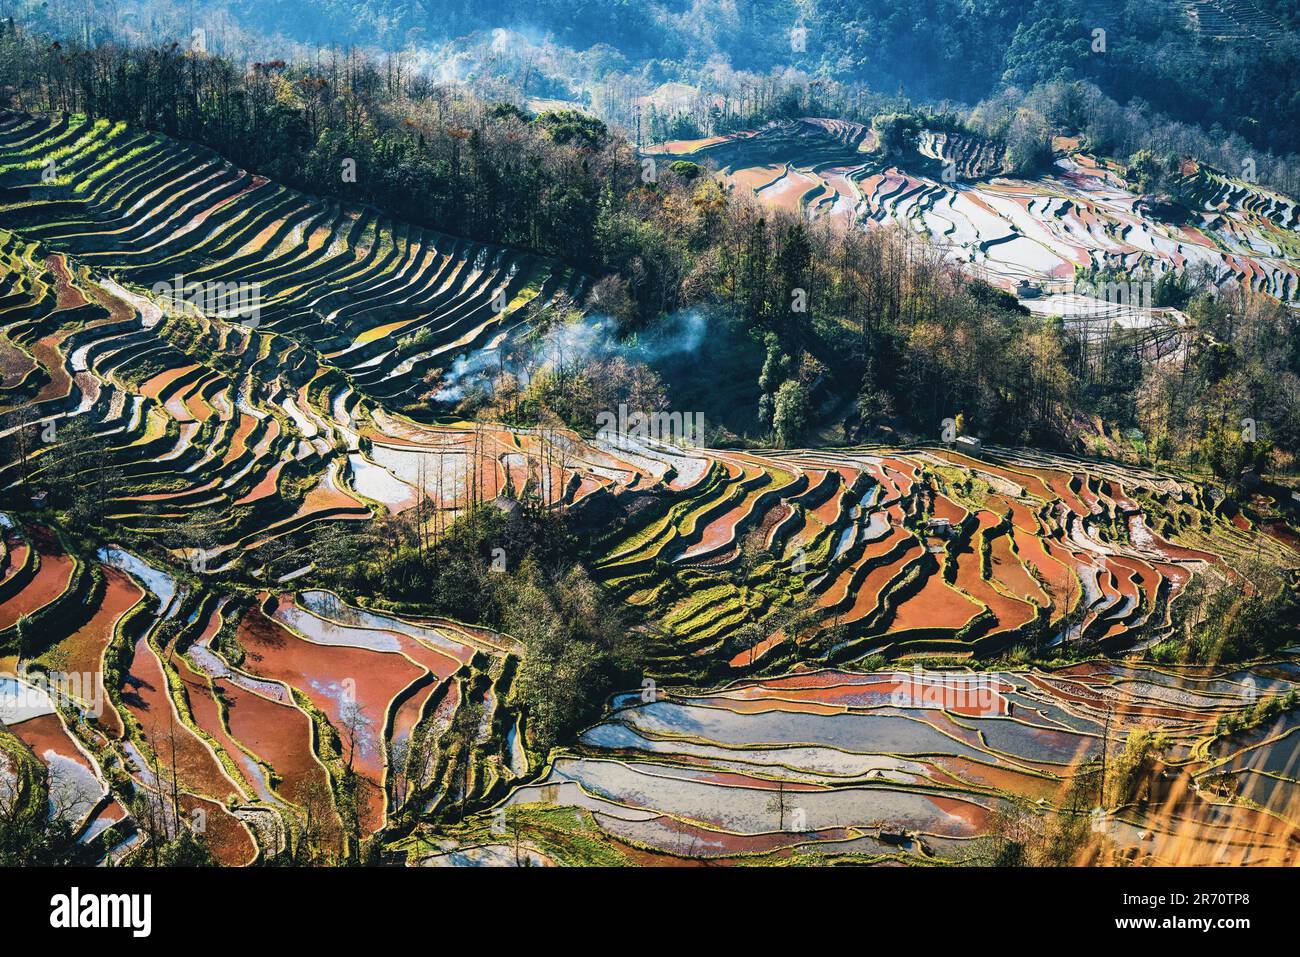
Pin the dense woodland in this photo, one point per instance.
(579, 646)
(960, 50)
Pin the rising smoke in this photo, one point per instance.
(565, 346)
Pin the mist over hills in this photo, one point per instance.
(1229, 65)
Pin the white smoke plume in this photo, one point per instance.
(572, 344)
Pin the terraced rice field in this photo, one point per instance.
(918, 551)
(319, 688)
(214, 678)
(231, 440)
(387, 302)
(816, 758)
(912, 765)
(915, 764)
(1008, 230)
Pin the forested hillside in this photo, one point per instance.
(961, 50)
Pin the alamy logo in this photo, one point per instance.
(962, 691)
(40, 690)
(75, 910)
(667, 428)
(233, 301)
(1102, 298)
